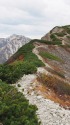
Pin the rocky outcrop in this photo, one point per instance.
(46, 37)
(9, 46)
(56, 29)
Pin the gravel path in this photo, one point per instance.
(48, 112)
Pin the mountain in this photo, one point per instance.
(61, 34)
(8, 46)
(40, 70)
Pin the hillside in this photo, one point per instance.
(41, 71)
(8, 46)
(59, 34)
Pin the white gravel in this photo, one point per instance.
(49, 113)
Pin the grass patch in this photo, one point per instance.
(53, 37)
(55, 40)
(59, 73)
(61, 34)
(49, 56)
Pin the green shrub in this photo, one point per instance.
(53, 37)
(19, 85)
(11, 73)
(14, 108)
(26, 52)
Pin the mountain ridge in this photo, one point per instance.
(40, 70)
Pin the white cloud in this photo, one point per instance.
(32, 18)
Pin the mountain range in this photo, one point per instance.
(8, 46)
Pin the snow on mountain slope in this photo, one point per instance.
(8, 46)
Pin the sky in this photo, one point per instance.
(32, 18)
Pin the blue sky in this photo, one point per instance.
(32, 18)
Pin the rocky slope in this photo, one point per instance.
(8, 46)
(59, 34)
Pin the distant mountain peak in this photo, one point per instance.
(8, 46)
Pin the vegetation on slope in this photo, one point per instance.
(16, 67)
(49, 56)
(60, 34)
(55, 39)
(27, 55)
(67, 28)
(11, 73)
(56, 42)
(14, 108)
